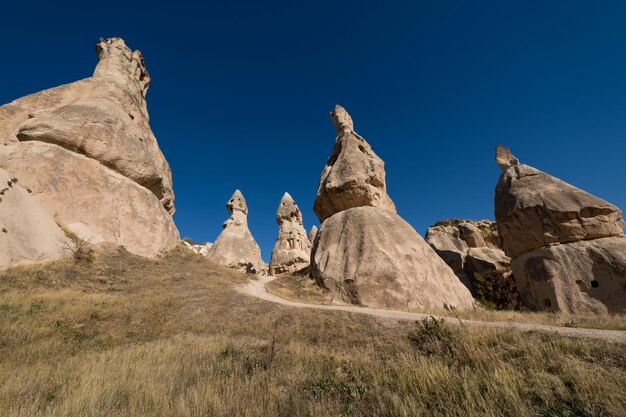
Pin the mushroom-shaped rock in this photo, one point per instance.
(97, 127)
(312, 233)
(363, 252)
(567, 246)
(354, 175)
(292, 251)
(235, 247)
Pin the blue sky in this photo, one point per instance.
(241, 92)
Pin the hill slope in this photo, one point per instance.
(126, 336)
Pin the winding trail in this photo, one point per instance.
(256, 288)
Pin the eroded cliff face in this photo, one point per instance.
(567, 246)
(89, 157)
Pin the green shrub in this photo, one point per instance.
(496, 290)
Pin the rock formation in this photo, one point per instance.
(235, 247)
(469, 247)
(568, 246)
(354, 175)
(98, 127)
(364, 253)
(28, 233)
(292, 251)
(312, 233)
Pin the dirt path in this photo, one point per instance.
(257, 289)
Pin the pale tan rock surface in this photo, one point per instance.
(371, 256)
(312, 233)
(354, 175)
(292, 250)
(104, 202)
(534, 209)
(28, 234)
(579, 277)
(87, 152)
(568, 246)
(469, 247)
(235, 247)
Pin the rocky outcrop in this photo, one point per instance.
(363, 252)
(235, 247)
(312, 233)
(534, 209)
(292, 250)
(98, 127)
(354, 175)
(371, 256)
(567, 245)
(28, 234)
(469, 247)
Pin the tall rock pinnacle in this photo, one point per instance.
(354, 176)
(235, 247)
(292, 251)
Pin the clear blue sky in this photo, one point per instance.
(241, 93)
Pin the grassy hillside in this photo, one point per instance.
(124, 336)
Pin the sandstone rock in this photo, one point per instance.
(371, 256)
(312, 233)
(100, 125)
(469, 247)
(292, 251)
(104, 203)
(354, 175)
(579, 277)
(235, 247)
(28, 234)
(534, 209)
(568, 246)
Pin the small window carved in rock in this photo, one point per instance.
(595, 284)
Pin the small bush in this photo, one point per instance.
(496, 290)
(433, 336)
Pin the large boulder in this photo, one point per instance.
(469, 247)
(568, 246)
(363, 252)
(292, 251)
(354, 175)
(28, 234)
(98, 127)
(578, 277)
(371, 256)
(534, 209)
(235, 247)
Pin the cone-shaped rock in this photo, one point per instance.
(235, 247)
(292, 251)
(354, 175)
(568, 246)
(87, 153)
(365, 253)
(312, 233)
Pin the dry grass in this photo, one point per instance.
(299, 288)
(303, 289)
(123, 336)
